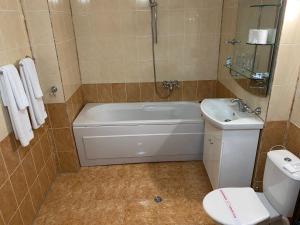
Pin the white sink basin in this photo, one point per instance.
(225, 115)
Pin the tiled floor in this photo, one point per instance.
(123, 195)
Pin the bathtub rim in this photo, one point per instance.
(80, 122)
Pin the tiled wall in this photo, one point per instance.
(43, 47)
(52, 37)
(287, 65)
(228, 33)
(293, 129)
(13, 46)
(282, 121)
(114, 40)
(61, 116)
(64, 37)
(26, 175)
(145, 92)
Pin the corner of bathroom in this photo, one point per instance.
(161, 112)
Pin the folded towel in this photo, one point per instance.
(17, 88)
(33, 91)
(14, 98)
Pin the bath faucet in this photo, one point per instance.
(243, 107)
(170, 84)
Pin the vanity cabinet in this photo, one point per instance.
(229, 156)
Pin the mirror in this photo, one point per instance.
(254, 44)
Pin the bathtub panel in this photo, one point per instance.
(142, 143)
(102, 147)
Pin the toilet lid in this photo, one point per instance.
(235, 206)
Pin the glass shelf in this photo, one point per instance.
(247, 73)
(266, 5)
(267, 44)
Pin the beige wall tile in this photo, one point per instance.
(295, 115)
(291, 23)
(120, 50)
(14, 45)
(287, 65)
(280, 102)
(287, 68)
(34, 5)
(39, 27)
(64, 38)
(48, 70)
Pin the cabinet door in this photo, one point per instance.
(206, 151)
(212, 154)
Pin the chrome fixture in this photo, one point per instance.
(153, 5)
(154, 31)
(243, 107)
(53, 91)
(233, 41)
(170, 84)
(257, 111)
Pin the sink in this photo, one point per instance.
(224, 114)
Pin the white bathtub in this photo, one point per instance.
(139, 132)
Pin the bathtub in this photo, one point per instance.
(139, 132)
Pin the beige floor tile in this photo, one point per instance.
(124, 195)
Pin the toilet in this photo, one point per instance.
(244, 206)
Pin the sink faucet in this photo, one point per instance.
(243, 107)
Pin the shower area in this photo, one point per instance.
(147, 50)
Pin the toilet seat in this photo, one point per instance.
(235, 206)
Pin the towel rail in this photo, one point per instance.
(27, 56)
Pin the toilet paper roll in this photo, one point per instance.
(258, 36)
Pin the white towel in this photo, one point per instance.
(14, 98)
(33, 91)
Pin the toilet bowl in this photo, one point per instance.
(244, 206)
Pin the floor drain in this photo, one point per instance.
(227, 120)
(157, 199)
